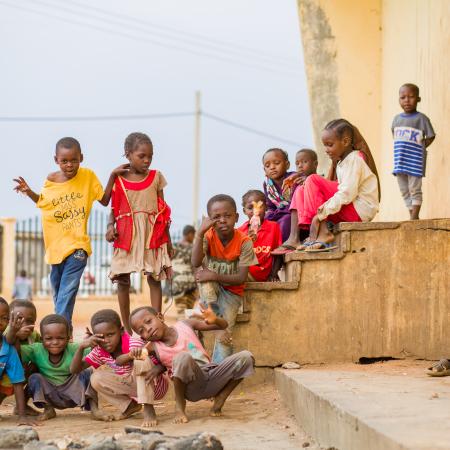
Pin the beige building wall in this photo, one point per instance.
(357, 54)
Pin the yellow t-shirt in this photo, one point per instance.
(65, 209)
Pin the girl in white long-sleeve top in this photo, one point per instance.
(354, 197)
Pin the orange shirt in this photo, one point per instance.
(227, 260)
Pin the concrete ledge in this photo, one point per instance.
(355, 410)
(272, 286)
(321, 256)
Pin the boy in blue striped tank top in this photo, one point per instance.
(413, 133)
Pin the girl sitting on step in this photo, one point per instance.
(353, 197)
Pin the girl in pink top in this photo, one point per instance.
(193, 374)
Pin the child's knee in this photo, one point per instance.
(34, 382)
(95, 380)
(122, 280)
(183, 359)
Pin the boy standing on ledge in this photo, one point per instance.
(413, 133)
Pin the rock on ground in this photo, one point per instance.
(17, 437)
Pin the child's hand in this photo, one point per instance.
(123, 168)
(22, 186)
(208, 315)
(206, 224)
(138, 353)
(91, 340)
(15, 322)
(24, 332)
(111, 233)
(203, 275)
(251, 234)
(153, 373)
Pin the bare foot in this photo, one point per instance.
(180, 417)
(49, 413)
(29, 411)
(149, 417)
(219, 400)
(133, 408)
(98, 415)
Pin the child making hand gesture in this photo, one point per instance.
(129, 372)
(179, 350)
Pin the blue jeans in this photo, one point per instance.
(65, 280)
(226, 306)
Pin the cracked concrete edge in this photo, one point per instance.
(326, 422)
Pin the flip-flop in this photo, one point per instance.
(325, 247)
(439, 369)
(283, 249)
(305, 244)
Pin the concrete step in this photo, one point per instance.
(362, 410)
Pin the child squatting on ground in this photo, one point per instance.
(354, 197)
(128, 373)
(65, 203)
(139, 225)
(222, 256)
(11, 366)
(193, 374)
(54, 386)
(413, 133)
(266, 237)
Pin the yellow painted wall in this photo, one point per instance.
(377, 45)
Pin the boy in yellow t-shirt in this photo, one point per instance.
(65, 203)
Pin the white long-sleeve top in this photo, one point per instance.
(357, 184)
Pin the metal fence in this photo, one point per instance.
(95, 281)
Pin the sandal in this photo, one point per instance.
(439, 369)
(283, 249)
(324, 247)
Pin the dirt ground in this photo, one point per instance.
(253, 419)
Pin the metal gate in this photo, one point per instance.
(95, 281)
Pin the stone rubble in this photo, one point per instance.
(134, 438)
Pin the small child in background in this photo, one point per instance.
(182, 287)
(139, 225)
(413, 133)
(54, 387)
(306, 164)
(11, 366)
(266, 239)
(179, 350)
(128, 382)
(22, 287)
(226, 254)
(276, 165)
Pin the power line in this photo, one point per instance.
(147, 40)
(248, 129)
(166, 32)
(93, 118)
(148, 116)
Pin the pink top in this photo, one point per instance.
(187, 341)
(99, 356)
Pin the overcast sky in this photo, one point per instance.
(109, 58)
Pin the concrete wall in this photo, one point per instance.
(357, 54)
(387, 293)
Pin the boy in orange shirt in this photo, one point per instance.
(222, 254)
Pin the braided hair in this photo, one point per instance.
(133, 140)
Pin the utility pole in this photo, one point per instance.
(196, 161)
